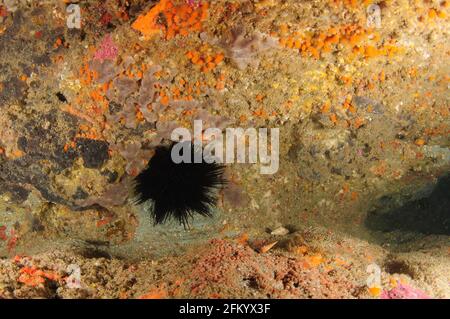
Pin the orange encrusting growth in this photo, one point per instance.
(204, 59)
(147, 24)
(172, 19)
(89, 105)
(353, 36)
(349, 3)
(32, 276)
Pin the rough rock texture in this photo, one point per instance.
(363, 113)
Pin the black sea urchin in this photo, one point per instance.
(179, 190)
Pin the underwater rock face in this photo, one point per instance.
(427, 215)
(93, 152)
(41, 139)
(363, 113)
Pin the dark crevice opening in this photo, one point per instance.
(428, 216)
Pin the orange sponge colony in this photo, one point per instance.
(171, 19)
(147, 24)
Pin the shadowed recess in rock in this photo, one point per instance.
(429, 215)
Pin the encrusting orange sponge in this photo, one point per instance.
(178, 19)
(147, 23)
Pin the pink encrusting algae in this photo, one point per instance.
(404, 291)
(108, 50)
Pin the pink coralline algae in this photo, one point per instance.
(403, 291)
(108, 50)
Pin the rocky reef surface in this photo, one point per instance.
(361, 102)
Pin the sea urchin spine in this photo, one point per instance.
(179, 190)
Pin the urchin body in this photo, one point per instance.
(178, 190)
